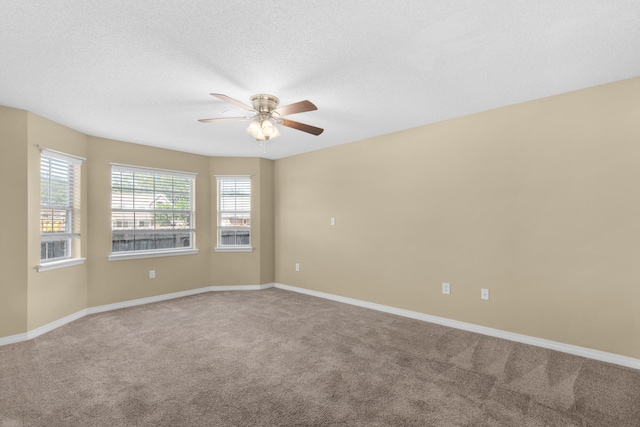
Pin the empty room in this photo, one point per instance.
(280, 213)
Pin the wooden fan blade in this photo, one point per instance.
(223, 119)
(301, 126)
(298, 107)
(232, 101)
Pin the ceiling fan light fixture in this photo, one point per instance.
(255, 129)
(275, 132)
(262, 128)
(266, 116)
(267, 128)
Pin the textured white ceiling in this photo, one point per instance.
(141, 71)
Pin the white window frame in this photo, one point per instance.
(62, 171)
(225, 209)
(120, 210)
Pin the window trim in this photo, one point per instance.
(75, 162)
(120, 256)
(59, 263)
(232, 248)
(145, 169)
(153, 253)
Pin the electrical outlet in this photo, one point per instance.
(152, 274)
(297, 267)
(446, 288)
(484, 294)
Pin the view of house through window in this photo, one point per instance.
(151, 210)
(59, 205)
(234, 211)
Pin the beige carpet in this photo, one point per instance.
(277, 358)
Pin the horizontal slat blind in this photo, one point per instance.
(151, 209)
(234, 210)
(59, 195)
(60, 216)
(235, 195)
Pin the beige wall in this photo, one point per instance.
(246, 268)
(13, 220)
(123, 280)
(53, 294)
(267, 221)
(30, 299)
(539, 202)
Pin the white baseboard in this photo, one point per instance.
(164, 297)
(241, 287)
(525, 339)
(147, 300)
(55, 324)
(12, 339)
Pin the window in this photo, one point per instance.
(152, 212)
(59, 209)
(234, 213)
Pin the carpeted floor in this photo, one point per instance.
(277, 358)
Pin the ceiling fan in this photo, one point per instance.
(265, 115)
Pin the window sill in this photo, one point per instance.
(54, 265)
(150, 254)
(233, 249)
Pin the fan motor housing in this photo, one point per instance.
(264, 103)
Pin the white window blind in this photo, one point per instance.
(234, 211)
(59, 204)
(152, 210)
